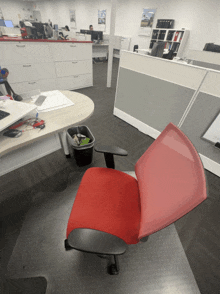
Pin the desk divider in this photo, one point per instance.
(201, 115)
(205, 59)
(154, 91)
(149, 99)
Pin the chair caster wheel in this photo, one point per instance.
(68, 156)
(67, 246)
(112, 270)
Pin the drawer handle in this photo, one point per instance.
(28, 65)
(20, 45)
(76, 76)
(74, 62)
(72, 45)
(31, 83)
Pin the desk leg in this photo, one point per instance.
(63, 138)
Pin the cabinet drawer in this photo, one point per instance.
(42, 85)
(24, 52)
(70, 68)
(75, 82)
(71, 51)
(30, 72)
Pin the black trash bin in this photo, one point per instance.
(82, 154)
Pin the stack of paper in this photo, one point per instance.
(55, 100)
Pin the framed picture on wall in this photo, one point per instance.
(147, 20)
(72, 18)
(102, 19)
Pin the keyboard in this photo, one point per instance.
(3, 114)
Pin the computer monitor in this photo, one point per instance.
(84, 31)
(2, 23)
(56, 27)
(212, 47)
(97, 35)
(9, 24)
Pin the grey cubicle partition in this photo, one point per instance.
(207, 59)
(153, 90)
(205, 64)
(202, 113)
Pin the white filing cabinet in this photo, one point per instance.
(47, 65)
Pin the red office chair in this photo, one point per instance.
(112, 209)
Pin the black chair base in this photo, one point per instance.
(113, 267)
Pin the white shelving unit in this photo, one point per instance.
(175, 39)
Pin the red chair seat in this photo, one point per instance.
(107, 200)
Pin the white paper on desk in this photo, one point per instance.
(55, 100)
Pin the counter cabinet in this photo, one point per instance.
(47, 66)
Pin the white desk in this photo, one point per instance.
(144, 51)
(34, 144)
(100, 50)
(205, 59)
(148, 51)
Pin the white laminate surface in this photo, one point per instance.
(56, 121)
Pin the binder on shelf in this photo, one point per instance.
(181, 36)
(165, 23)
(171, 23)
(155, 34)
(175, 47)
(176, 36)
(161, 35)
(170, 35)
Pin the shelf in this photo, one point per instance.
(175, 39)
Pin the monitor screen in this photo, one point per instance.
(9, 24)
(88, 32)
(212, 47)
(83, 31)
(2, 23)
(97, 35)
(56, 27)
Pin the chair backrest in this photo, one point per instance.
(171, 180)
(157, 49)
(170, 54)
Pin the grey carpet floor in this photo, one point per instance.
(157, 266)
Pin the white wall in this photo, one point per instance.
(86, 12)
(11, 9)
(201, 17)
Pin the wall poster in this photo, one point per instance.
(72, 18)
(147, 20)
(102, 19)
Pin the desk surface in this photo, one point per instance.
(56, 121)
(101, 44)
(19, 39)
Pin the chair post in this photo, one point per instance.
(113, 268)
(109, 160)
